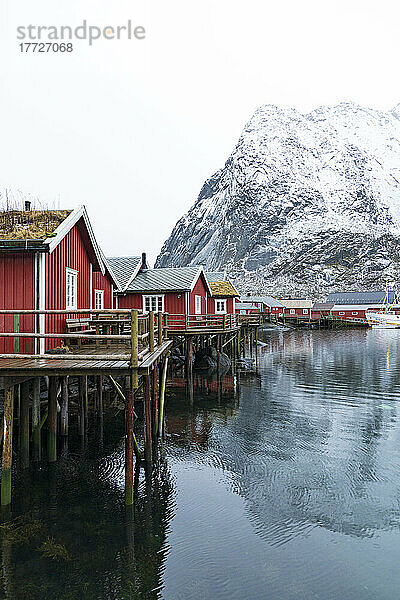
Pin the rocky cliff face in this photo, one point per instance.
(305, 204)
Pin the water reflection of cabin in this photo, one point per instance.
(49, 259)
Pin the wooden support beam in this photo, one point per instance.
(189, 356)
(162, 398)
(129, 447)
(85, 400)
(52, 420)
(24, 424)
(36, 429)
(64, 406)
(155, 399)
(134, 347)
(16, 330)
(160, 328)
(7, 447)
(147, 417)
(151, 331)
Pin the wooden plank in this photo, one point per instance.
(147, 364)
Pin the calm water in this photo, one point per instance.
(288, 488)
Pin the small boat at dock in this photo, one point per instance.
(384, 318)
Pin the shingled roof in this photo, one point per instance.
(178, 279)
(124, 268)
(360, 297)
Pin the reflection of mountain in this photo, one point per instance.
(314, 446)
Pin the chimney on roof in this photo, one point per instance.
(28, 204)
(144, 265)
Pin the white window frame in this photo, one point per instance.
(355, 312)
(150, 307)
(98, 294)
(341, 314)
(71, 303)
(305, 311)
(221, 311)
(197, 305)
(292, 311)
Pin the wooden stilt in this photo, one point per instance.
(24, 424)
(81, 407)
(155, 399)
(129, 447)
(162, 398)
(36, 429)
(52, 420)
(85, 401)
(64, 406)
(189, 356)
(7, 447)
(147, 417)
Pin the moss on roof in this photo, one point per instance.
(30, 225)
(222, 288)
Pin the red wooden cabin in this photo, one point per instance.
(262, 304)
(224, 294)
(177, 291)
(297, 308)
(48, 260)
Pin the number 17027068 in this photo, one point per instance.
(45, 47)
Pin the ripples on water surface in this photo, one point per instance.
(288, 489)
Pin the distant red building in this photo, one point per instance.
(297, 308)
(48, 260)
(266, 305)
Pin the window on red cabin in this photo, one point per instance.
(220, 306)
(341, 313)
(292, 311)
(354, 313)
(197, 305)
(153, 303)
(305, 311)
(71, 301)
(99, 299)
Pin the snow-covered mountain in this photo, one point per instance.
(305, 204)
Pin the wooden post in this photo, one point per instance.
(151, 331)
(81, 407)
(155, 375)
(52, 420)
(100, 395)
(86, 400)
(147, 416)
(64, 406)
(7, 447)
(162, 398)
(160, 328)
(134, 347)
(24, 424)
(129, 447)
(189, 356)
(36, 419)
(16, 330)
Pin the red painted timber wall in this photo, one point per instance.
(103, 282)
(298, 312)
(198, 290)
(17, 291)
(71, 252)
(229, 305)
(173, 304)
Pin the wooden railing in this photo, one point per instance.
(252, 319)
(127, 335)
(176, 323)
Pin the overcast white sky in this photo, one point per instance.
(132, 129)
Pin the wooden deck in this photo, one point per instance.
(11, 368)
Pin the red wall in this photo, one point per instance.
(349, 313)
(229, 305)
(103, 282)
(198, 290)
(70, 252)
(298, 313)
(172, 304)
(17, 291)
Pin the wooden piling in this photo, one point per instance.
(7, 447)
(162, 397)
(189, 356)
(24, 424)
(155, 399)
(147, 417)
(36, 429)
(129, 447)
(64, 406)
(151, 331)
(52, 420)
(85, 401)
(134, 347)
